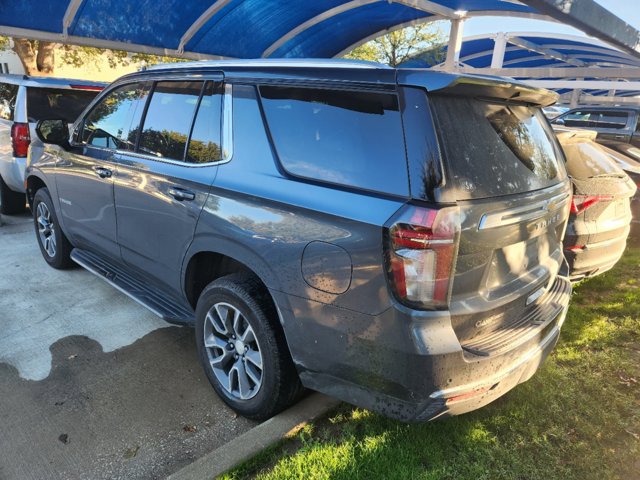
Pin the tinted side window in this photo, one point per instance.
(57, 103)
(205, 144)
(109, 124)
(344, 137)
(169, 117)
(613, 119)
(580, 115)
(423, 153)
(578, 119)
(8, 94)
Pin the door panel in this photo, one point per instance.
(160, 191)
(85, 191)
(158, 206)
(85, 175)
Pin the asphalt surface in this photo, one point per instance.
(92, 385)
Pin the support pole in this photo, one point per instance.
(455, 44)
(575, 96)
(499, 48)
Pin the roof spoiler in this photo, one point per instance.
(500, 88)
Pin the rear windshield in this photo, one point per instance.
(349, 138)
(493, 149)
(8, 94)
(587, 159)
(57, 103)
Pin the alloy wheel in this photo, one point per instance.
(233, 351)
(46, 229)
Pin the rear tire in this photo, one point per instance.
(245, 356)
(54, 245)
(11, 203)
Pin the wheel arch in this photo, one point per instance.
(34, 182)
(203, 264)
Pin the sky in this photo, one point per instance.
(628, 10)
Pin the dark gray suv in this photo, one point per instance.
(389, 237)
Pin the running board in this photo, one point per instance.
(160, 304)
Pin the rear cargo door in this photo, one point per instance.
(505, 171)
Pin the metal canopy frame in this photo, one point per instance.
(582, 69)
(582, 14)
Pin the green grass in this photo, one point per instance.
(577, 418)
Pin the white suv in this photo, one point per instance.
(23, 101)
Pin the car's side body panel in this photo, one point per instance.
(275, 217)
(85, 197)
(155, 228)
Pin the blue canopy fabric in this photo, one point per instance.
(232, 28)
(477, 52)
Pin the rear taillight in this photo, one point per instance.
(579, 203)
(421, 245)
(20, 139)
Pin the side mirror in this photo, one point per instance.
(53, 131)
(558, 121)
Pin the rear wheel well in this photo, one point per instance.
(33, 185)
(205, 267)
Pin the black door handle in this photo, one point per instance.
(103, 172)
(181, 194)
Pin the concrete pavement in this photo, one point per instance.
(92, 385)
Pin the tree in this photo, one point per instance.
(396, 47)
(39, 57)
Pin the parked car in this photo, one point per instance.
(601, 206)
(383, 236)
(627, 157)
(619, 124)
(554, 111)
(23, 101)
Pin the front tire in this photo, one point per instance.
(242, 348)
(53, 243)
(11, 203)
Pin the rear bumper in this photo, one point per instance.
(406, 364)
(475, 395)
(596, 258)
(12, 171)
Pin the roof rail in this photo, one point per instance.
(272, 62)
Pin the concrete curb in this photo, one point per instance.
(249, 444)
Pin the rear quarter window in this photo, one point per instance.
(614, 120)
(493, 149)
(57, 103)
(350, 138)
(8, 94)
